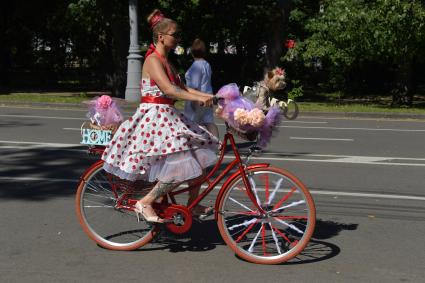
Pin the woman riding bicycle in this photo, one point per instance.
(158, 144)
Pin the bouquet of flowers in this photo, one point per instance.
(245, 116)
(104, 113)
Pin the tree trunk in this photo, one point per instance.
(402, 94)
(278, 34)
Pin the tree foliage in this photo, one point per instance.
(86, 42)
(349, 33)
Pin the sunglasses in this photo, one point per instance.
(177, 34)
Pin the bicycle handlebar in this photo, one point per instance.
(216, 100)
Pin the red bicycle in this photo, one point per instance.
(264, 213)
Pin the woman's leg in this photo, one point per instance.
(194, 193)
(159, 190)
(198, 210)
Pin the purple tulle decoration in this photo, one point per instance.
(244, 115)
(104, 111)
(273, 119)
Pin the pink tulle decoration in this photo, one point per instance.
(244, 115)
(104, 111)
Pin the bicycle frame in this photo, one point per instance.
(237, 162)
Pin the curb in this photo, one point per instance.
(376, 115)
(79, 106)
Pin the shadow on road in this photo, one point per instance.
(202, 236)
(205, 236)
(40, 174)
(318, 250)
(326, 229)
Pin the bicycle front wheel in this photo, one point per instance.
(282, 231)
(105, 213)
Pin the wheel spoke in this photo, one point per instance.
(300, 217)
(292, 204)
(245, 223)
(263, 238)
(288, 195)
(246, 231)
(254, 189)
(101, 196)
(251, 247)
(282, 235)
(241, 204)
(275, 239)
(277, 186)
(239, 212)
(293, 227)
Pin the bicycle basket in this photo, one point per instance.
(92, 134)
(245, 135)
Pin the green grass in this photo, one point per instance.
(45, 97)
(69, 97)
(356, 107)
(58, 97)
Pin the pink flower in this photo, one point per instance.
(241, 116)
(104, 102)
(256, 117)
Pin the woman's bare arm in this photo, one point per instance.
(196, 92)
(154, 68)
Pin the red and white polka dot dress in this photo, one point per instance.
(159, 144)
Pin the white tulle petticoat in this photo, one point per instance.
(174, 168)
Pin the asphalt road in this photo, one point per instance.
(367, 176)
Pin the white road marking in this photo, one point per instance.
(341, 128)
(367, 195)
(298, 127)
(43, 117)
(321, 139)
(306, 122)
(357, 129)
(353, 159)
(37, 179)
(42, 144)
(314, 192)
(341, 156)
(370, 160)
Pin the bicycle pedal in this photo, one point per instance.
(197, 220)
(205, 216)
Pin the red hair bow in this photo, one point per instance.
(279, 72)
(156, 18)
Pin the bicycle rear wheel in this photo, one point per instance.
(105, 211)
(279, 234)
